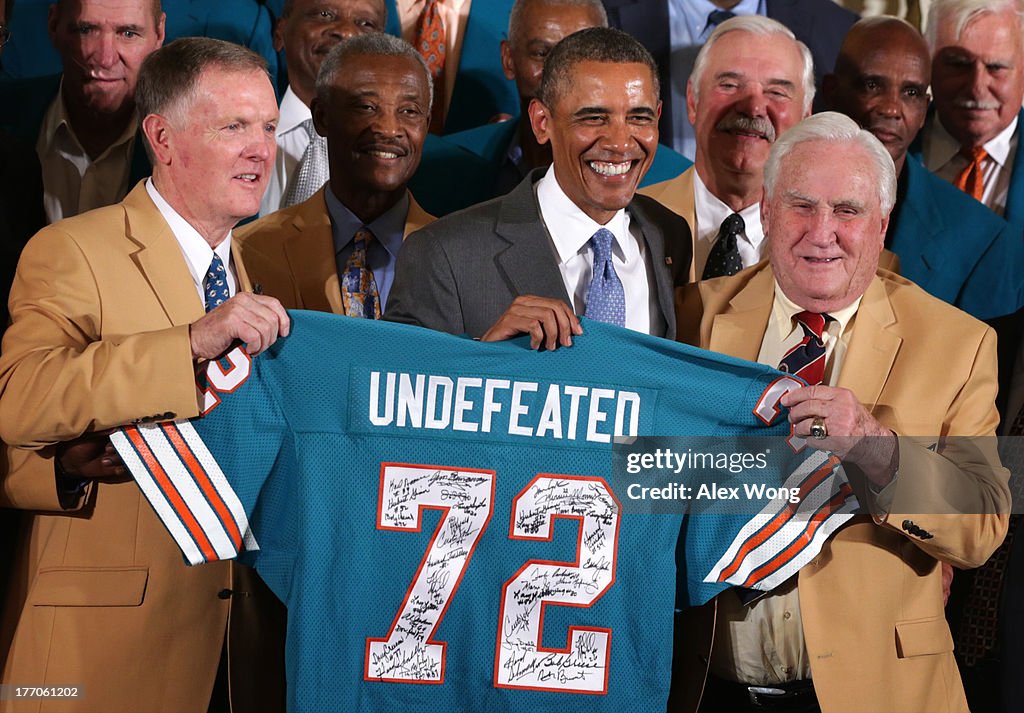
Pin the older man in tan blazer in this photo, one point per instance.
(372, 104)
(108, 327)
(864, 620)
(751, 81)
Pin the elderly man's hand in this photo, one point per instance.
(256, 320)
(548, 321)
(853, 434)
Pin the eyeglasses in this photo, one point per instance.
(5, 35)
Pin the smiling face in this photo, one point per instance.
(603, 130)
(825, 228)
(978, 79)
(102, 44)
(751, 91)
(313, 27)
(215, 164)
(542, 26)
(375, 119)
(881, 82)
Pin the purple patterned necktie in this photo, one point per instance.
(606, 299)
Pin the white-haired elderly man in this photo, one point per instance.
(752, 80)
(972, 139)
(864, 620)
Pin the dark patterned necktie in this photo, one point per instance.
(215, 285)
(807, 358)
(359, 294)
(978, 636)
(724, 258)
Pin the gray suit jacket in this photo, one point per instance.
(460, 273)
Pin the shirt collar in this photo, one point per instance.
(388, 229)
(197, 251)
(56, 122)
(711, 212)
(570, 228)
(785, 309)
(697, 11)
(293, 112)
(944, 147)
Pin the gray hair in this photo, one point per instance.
(593, 44)
(962, 12)
(515, 18)
(833, 127)
(764, 27)
(169, 76)
(376, 44)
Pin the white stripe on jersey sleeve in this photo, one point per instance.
(155, 495)
(195, 500)
(220, 483)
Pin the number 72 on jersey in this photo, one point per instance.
(465, 497)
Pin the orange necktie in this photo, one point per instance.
(971, 180)
(430, 42)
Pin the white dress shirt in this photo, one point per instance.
(710, 213)
(943, 158)
(73, 182)
(292, 140)
(197, 252)
(571, 229)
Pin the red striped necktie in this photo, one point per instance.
(807, 358)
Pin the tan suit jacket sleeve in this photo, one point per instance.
(62, 372)
(960, 496)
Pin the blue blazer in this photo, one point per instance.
(956, 248)
(820, 24)
(245, 22)
(490, 143)
(25, 102)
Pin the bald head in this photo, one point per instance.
(881, 81)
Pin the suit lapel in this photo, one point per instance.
(530, 262)
(311, 258)
(920, 237)
(747, 315)
(873, 347)
(159, 258)
(654, 240)
(416, 218)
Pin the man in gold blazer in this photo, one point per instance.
(108, 325)
(372, 104)
(864, 620)
(751, 81)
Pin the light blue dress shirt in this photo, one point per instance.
(689, 30)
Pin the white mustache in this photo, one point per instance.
(974, 104)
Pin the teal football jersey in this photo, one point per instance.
(439, 517)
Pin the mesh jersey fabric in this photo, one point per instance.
(424, 543)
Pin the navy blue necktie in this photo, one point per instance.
(215, 286)
(717, 17)
(606, 299)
